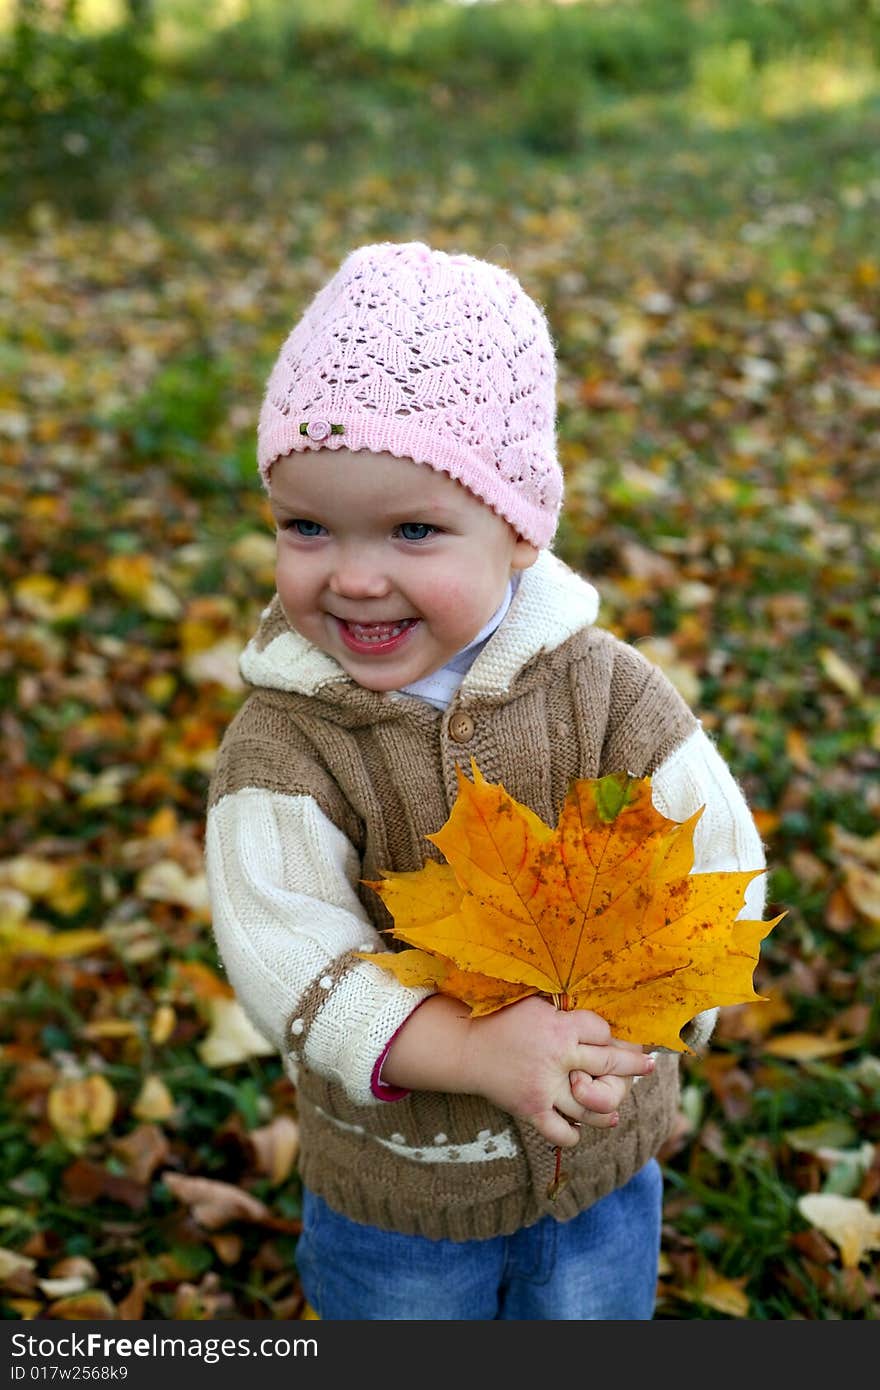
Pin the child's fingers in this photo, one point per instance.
(600, 1095)
(592, 1101)
(592, 1120)
(557, 1128)
(618, 1059)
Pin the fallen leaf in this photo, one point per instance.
(724, 1295)
(864, 848)
(840, 673)
(29, 874)
(255, 552)
(32, 939)
(205, 1302)
(131, 1307)
(198, 981)
(767, 822)
(75, 1266)
(216, 665)
(848, 1221)
(168, 882)
(847, 1168)
(229, 1246)
(215, 1204)
(807, 1047)
(798, 750)
(83, 1307)
(111, 1028)
(277, 1147)
(61, 1288)
(154, 1100)
(137, 580)
(51, 600)
(836, 1130)
(862, 887)
(663, 653)
(85, 1182)
(753, 1021)
(163, 1023)
(16, 1271)
(108, 788)
(26, 1308)
(14, 908)
(232, 1037)
(142, 1151)
(81, 1108)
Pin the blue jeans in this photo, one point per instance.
(601, 1265)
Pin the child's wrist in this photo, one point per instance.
(427, 1052)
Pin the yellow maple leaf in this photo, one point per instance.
(603, 912)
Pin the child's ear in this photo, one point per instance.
(524, 554)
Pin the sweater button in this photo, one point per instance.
(461, 727)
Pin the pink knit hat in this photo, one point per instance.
(442, 359)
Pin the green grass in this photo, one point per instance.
(88, 108)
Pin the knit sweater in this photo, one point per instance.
(320, 784)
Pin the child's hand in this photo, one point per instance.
(557, 1069)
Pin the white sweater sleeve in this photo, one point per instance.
(282, 882)
(726, 837)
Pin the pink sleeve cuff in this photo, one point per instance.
(380, 1089)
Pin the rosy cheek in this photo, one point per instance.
(448, 596)
(475, 586)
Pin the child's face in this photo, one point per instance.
(386, 565)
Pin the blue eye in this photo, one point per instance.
(416, 530)
(308, 529)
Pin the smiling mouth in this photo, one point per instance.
(378, 638)
(377, 632)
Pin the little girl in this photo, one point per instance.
(407, 441)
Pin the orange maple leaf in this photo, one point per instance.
(603, 912)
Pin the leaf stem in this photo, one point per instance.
(564, 1002)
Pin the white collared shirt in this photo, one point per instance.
(438, 687)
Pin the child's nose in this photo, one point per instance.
(356, 575)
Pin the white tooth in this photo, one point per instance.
(367, 633)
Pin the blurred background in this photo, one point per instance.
(692, 192)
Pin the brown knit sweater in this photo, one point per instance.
(320, 784)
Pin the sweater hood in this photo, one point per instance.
(552, 602)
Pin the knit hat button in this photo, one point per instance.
(317, 430)
(461, 727)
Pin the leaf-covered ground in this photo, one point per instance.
(716, 303)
